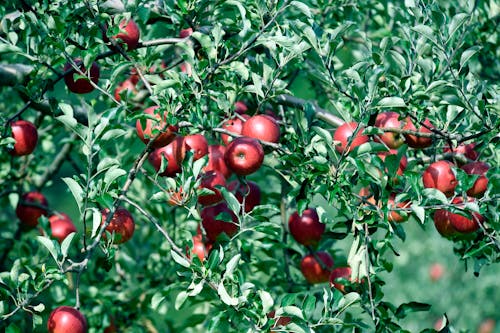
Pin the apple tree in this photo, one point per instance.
(239, 166)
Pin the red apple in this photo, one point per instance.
(214, 221)
(443, 224)
(487, 326)
(280, 321)
(26, 136)
(198, 144)
(216, 160)
(389, 120)
(174, 153)
(306, 229)
(250, 192)
(262, 127)
(244, 156)
(126, 87)
(480, 185)
(464, 149)
(61, 226)
(340, 273)
(402, 163)
(210, 180)
(200, 249)
(234, 125)
(394, 216)
(129, 35)
(344, 134)
(65, 319)
(464, 222)
(436, 271)
(439, 175)
(417, 141)
(81, 85)
(313, 271)
(186, 32)
(240, 107)
(122, 224)
(28, 215)
(152, 128)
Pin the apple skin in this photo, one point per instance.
(81, 85)
(464, 224)
(240, 107)
(213, 227)
(244, 156)
(174, 153)
(121, 224)
(186, 32)
(200, 248)
(312, 269)
(234, 125)
(481, 184)
(28, 215)
(280, 321)
(306, 229)
(464, 149)
(340, 273)
(250, 191)
(128, 86)
(393, 215)
(262, 127)
(198, 144)
(26, 136)
(389, 120)
(66, 319)
(436, 271)
(216, 160)
(344, 132)
(417, 141)
(129, 35)
(210, 180)
(443, 224)
(145, 134)
(61, 226)
(439, 175)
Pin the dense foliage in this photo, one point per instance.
(312, 65)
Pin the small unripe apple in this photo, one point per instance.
(210, 180)
(250, 192)
(262, 127)
(389, 120)
(340, 273)
(29, 215)
(313, 271)
(61, 226)
(129, 35)
(214, 221)
(417, 141)
(66, 319)
(244, 156)
(81, 85)
(481, 183)
(122, 224)
(168, 132)
(198, 144)
(26, 136)
(344, 133)
(439, 175)
(174, 153)
(306, 229)
(216, 160)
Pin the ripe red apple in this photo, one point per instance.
(210, 180)
(313, 271)
(65, 319)
(200, 249)
(262, 127)
(480, 185)
(129, 35)
(244, 156)
(234, 125)
(198, 144)
(214, 221)
(216, 160)
(344, 134)
(340, 273)
(487, 326)
(122, 224)
(436, 271)
(174, 153)
(464, 222)
(389, 120)
(249, 191)
(394, 216)
(280, 321)
(240, 107)
(26, 136)
(61, 226)
(306, 229)
(417, 141)
(81, 85)
(152, 128)
(186, 32)
(402, 163)
(28, 215)
(464, 149)
(126, 87)
(440, 175)
(443, 224)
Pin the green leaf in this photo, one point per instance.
(96, 221)
(290, 310)
(231, 265)
(467, 54)
(432, 193)
(224, 296)
(425, 31)
(179, 259)
(76, 190)
(406, 308)
(49, 245)
(391, 102)
(66, 243)
(180, 299)
(156, 300)
(231, 200)
(302, 7)
(419, 212)
(266, 300)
